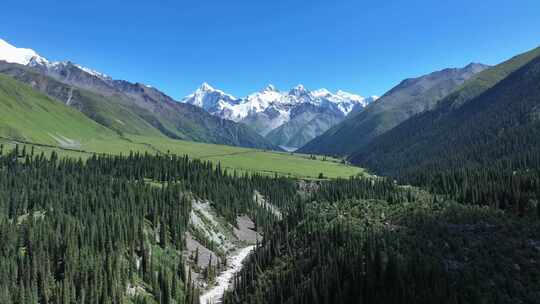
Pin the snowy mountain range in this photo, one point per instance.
(29, 57)
(271, 111)
(123, 106)
(286, 118)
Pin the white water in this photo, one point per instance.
(215, 294)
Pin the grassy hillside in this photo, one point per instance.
(231, 158)
(133, 108)
(29, 116)
(32, 116)
(109, 111)
(253, 160)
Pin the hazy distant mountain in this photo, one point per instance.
(493, 117)
(126, 107)
(288, 119)
(410, 97)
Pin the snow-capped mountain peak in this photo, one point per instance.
(12, 54)
(31, 58)
(298, 90)
(93, 72)
(270, 88)
(277, 106)
(205, 87)
(37, 60)
(209, 98)
(321, 93)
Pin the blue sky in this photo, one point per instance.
(364, 47)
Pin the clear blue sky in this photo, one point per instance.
(239, 46)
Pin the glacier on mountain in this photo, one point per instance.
(271, 107)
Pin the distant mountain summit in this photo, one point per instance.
(29, 57)
(490, 121)
(410, 97)
(12, 54)
(283, 117)
(209, 98)
(123, 106)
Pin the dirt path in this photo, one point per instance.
(215, 294)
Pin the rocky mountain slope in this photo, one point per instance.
(491, 119)
(410, 97)
(28, 115)
(126, 107)
(288, 119)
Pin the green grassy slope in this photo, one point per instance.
(31, 116)
(233, 158)
(27, 115)
(108, 111)
(133, 108)
(253, 160)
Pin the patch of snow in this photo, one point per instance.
(93, 72)
(29, 57)
(208, 98)
(229, 107)
(12, 54)
(138, 261)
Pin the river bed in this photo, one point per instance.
(235, 262)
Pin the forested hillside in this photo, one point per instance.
(111, 229)
(493, 137)
(498, 124)
(370, 241)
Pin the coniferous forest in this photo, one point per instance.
(77, 231)
(270, 152)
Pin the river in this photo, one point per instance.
(223, 281)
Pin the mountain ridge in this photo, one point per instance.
(410, 97)
(279, 115)
(144, 104)
(493, 96)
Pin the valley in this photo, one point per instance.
(127, 178)
(241, 160)
(289, 119)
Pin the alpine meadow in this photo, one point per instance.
(219, 152)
